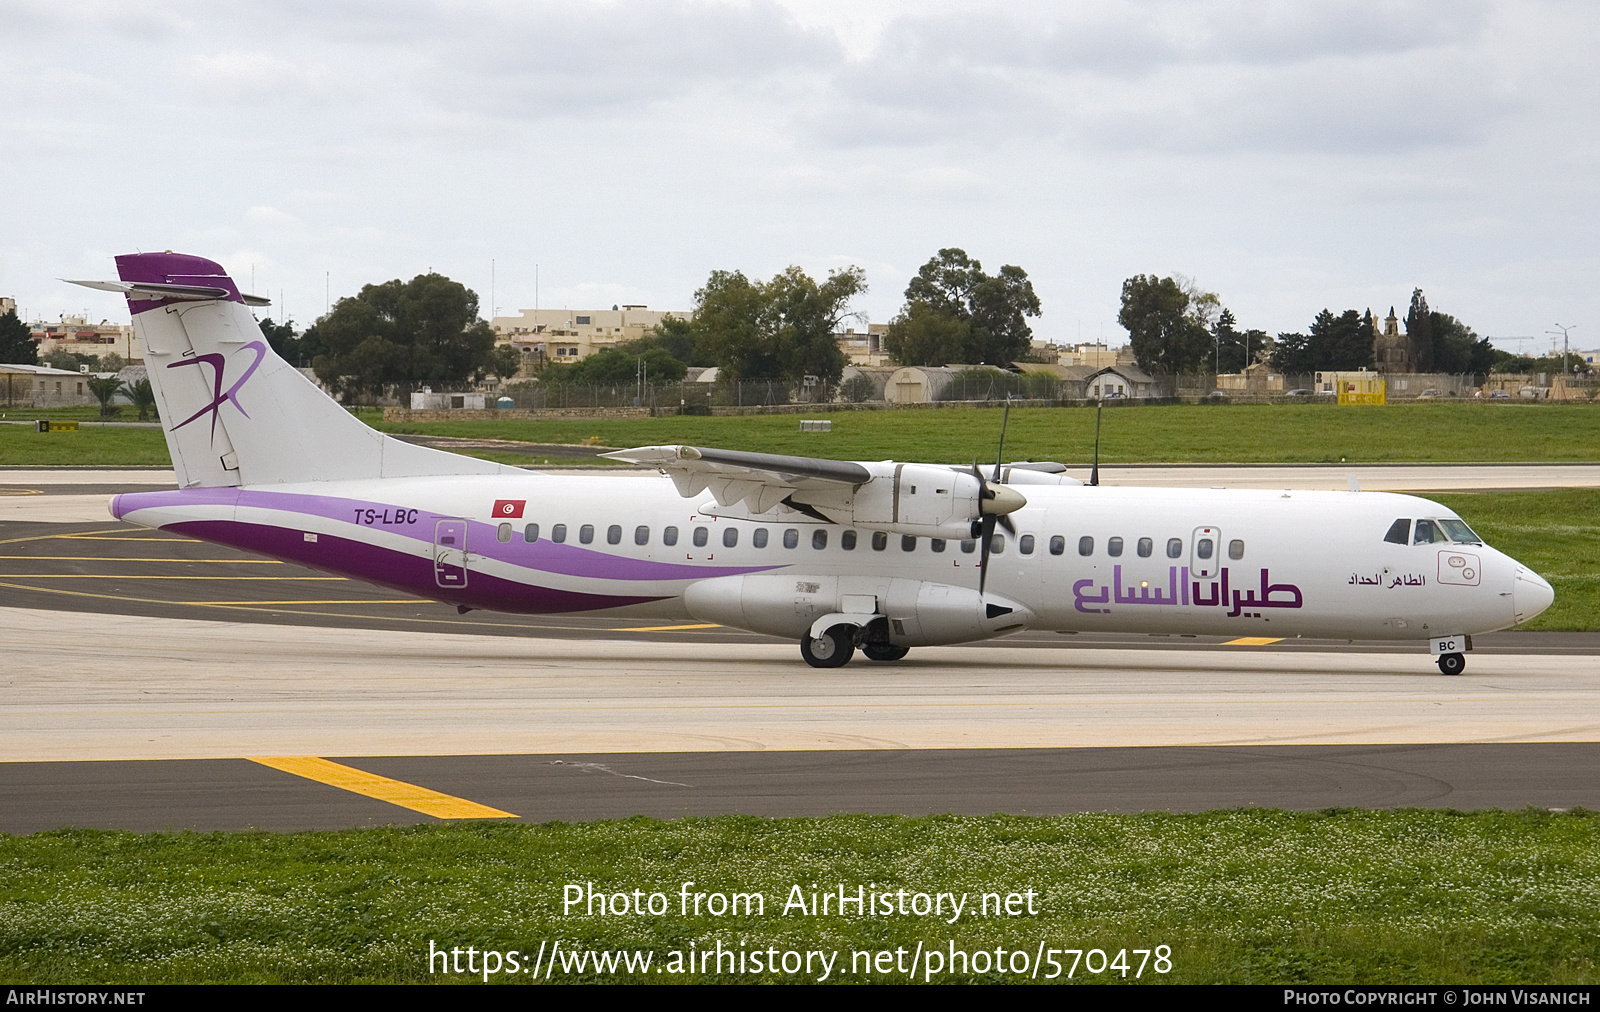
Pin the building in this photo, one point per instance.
(77, 335)
(1095, 356)
(7, 305)
(571, 335)
(865, 349)
(39, 386)
(1391, 350)
(1120, 381)
(1257, 378)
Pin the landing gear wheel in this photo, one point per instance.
(1452, 664)
(884, 652)
(832, 650)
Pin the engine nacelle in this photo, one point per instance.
(915, 612)
(923, 500)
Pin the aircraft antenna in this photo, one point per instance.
(1094, 471)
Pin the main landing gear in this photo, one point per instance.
(835, 647)
(1452, 664)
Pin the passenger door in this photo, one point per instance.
(450, 553)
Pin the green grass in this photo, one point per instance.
(95, 445)
(1246, 433)
(1554, 532)
(1239, 896)
(1265, 433)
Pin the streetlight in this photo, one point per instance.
(1565, 344)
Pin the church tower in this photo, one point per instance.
(1391, 352)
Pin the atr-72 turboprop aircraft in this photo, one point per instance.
(878, 555)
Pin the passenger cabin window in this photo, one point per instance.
(968, 546)
(558, 533)
(614, 534)
(1203, 548)
(701, 535)
(641, 535)
(880, 541)
(530, 533)
(1025, 544)
(997, 544)
(847, 541)
(1236, 549)
(1146, 546)
(1174, 548)
(730, 537)
(586, 533)
(908, 543)
(937, 544)
(1058, 544)
(1399, 533)
(1086, 545)
(819, 539)
(759, 538)
(669, 536)
(1114, 547)
(791, 538)
(503, 533)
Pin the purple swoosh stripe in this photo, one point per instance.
(543, 555)
(407, 573)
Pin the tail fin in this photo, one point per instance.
(234, 413)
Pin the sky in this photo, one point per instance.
(1288, 156)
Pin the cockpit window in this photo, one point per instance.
(1428, 532)
(1459, 531)
(1399, 533)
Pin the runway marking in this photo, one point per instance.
(47, 537)
(667, 628)
(396, 792)
(99, 537)
(114, 558)
(21, 491)
(147, 576)
(269, 604)
(1253, 641)
(252, 606)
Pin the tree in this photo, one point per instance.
(620, 367)
(677, 337)
(104, 389)
(922, 335)
(956, 313)
(17, 346)
(110, 362)
(143, 397)
(1166, 337)
(1457, 348)
(61, 358)
(1419, 332)
(1294, 353)
(405, 335)
(1342, 342)
(283, 340)
(776, 330)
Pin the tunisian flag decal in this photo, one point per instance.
(505, 508)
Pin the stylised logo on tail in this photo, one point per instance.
(219, 397)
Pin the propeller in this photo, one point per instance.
(996, 504)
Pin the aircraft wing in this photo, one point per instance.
(763, 480)
(919, 499)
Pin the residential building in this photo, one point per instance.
(865, 348)
(39, 386)
(571, 335)
(77, 335)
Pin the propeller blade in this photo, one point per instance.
(1004, 519)
(1000, 454)
(983, 547)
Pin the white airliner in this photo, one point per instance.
(878, 555)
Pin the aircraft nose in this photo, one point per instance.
(1530, 594)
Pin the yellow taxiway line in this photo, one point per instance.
(1253, 641)
(396, 792)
